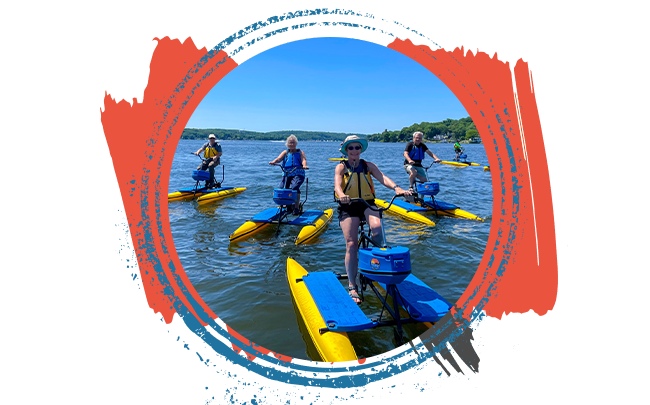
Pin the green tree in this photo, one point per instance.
(385, 136)
(471, 133)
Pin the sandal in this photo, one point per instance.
(354, 294)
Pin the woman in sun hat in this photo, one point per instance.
(353, 179)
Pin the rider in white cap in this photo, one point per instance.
(212, 155)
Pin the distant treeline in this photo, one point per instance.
(447, 130)
(236, 134)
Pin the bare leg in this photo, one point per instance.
(412, 177)
(373, 220)
(350, 228)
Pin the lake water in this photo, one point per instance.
(245, 284)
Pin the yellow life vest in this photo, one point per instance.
(357, 185)
(210, 151)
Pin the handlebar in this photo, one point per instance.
(288, 172)
(198, 156)
(377, 209)
(428, 167)
(433, 162)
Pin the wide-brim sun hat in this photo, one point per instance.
(352, 139)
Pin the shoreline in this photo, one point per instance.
(326, 140)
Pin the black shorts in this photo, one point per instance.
(355, 209)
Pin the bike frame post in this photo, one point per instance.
(420, 200)
(284, 209)
(306, 193)
(391, 289)
(196, 186)
(384, 242)
(394, 293)
(223, 176)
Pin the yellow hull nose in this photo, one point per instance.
(405, 214)
(182, 196)
(307, 233)
(247, 229)
(212, 197)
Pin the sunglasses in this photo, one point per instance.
(354, 147)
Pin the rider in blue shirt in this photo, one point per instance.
(413, 156)
(294, 163)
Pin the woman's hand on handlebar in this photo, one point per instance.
(399, 191)
(345, 199)
(374, 208)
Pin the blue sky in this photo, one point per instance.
(327, 84)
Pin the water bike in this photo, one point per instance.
(418, 204)
(462, 162)
(313, 222)
(329, 312)
(205, 193)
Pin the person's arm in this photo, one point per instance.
(433, 155)
(219, 152)
(338, 178)
(279, 158)
(199, 151)
(383, 179)
(406, 155)
(304, 160)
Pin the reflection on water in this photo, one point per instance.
(245, 284)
